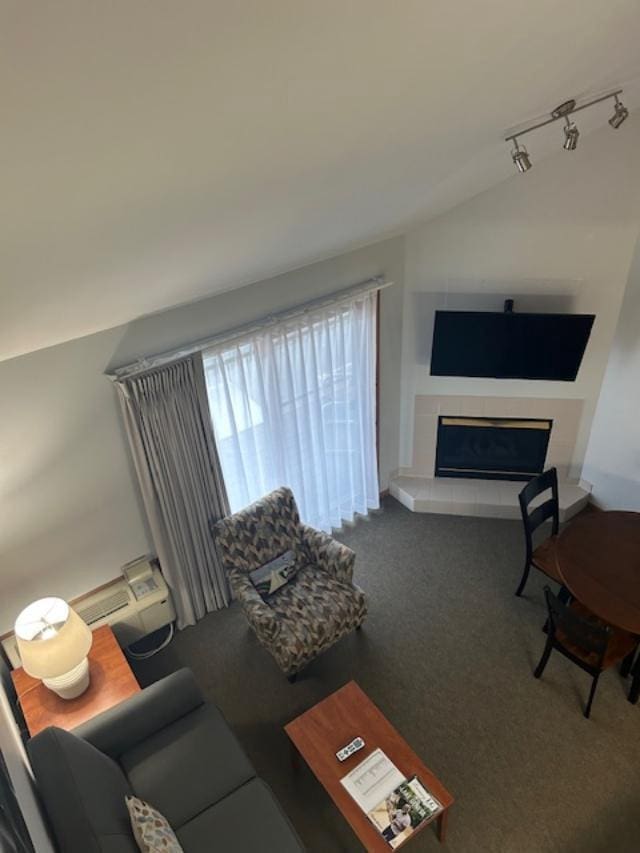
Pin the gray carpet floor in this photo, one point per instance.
(447, 653)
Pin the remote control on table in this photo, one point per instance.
(348, 750)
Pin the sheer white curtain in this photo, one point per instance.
(294, 405)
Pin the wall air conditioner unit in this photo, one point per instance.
(133, 605)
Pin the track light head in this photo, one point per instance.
(571, 134)
(620, 114)
(520, 157)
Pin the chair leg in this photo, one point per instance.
(627, 663)
(525, 577)
(634, 692)
(548, 648)
(592, 693)
(564, 595)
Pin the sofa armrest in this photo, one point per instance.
(259, 615)
(329, 554)
(120, 728)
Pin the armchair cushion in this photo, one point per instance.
(314, 612)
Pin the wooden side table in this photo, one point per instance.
(112, 681)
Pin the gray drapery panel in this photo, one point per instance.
(166, 415)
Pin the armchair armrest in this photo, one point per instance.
(259, 615)
(329, 554)
(123, 726)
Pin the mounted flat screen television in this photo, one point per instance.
(509, 345)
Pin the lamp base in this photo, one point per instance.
(71, 684)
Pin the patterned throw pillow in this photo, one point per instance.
(150, 829)
(269, 578)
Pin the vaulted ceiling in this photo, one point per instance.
(157, 152)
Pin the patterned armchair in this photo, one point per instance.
(317, 607)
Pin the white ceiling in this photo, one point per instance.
(156, 152)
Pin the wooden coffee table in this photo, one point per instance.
(321, 731)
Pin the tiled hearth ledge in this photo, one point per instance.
(486, 498)
(420, 491)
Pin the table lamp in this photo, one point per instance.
(53, 642)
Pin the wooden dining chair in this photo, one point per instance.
(541, 557)
(634, 690)
(587, 641)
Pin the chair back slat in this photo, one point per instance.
(541, 513)
(533, 518)
(536, 485)
(590, 637)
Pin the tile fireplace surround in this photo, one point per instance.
(420, 491)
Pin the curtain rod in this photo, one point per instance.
(142, 365)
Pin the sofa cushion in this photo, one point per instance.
(126, 724)
(188, 765)
(248, 819)
(83, 791)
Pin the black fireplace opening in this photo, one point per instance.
(492, 448)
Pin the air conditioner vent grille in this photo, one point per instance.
(105, 607)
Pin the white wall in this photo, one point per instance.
(69, 508)
(612, 463)
(70, 516)
(559, 237)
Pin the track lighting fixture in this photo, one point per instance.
(620, 114)
(571, 134)
(520, 155)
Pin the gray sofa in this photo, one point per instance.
(168, 746)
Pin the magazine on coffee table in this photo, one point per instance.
(407, 807)
(372, 780)
(395, 805)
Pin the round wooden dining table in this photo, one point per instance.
(598, 559)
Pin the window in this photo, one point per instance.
(294, 404)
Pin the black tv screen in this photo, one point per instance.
(509, 345)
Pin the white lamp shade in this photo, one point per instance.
(52, 639)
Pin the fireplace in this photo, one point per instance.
(491, 448)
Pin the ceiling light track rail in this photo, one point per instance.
(558, 116)
(519, 153)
